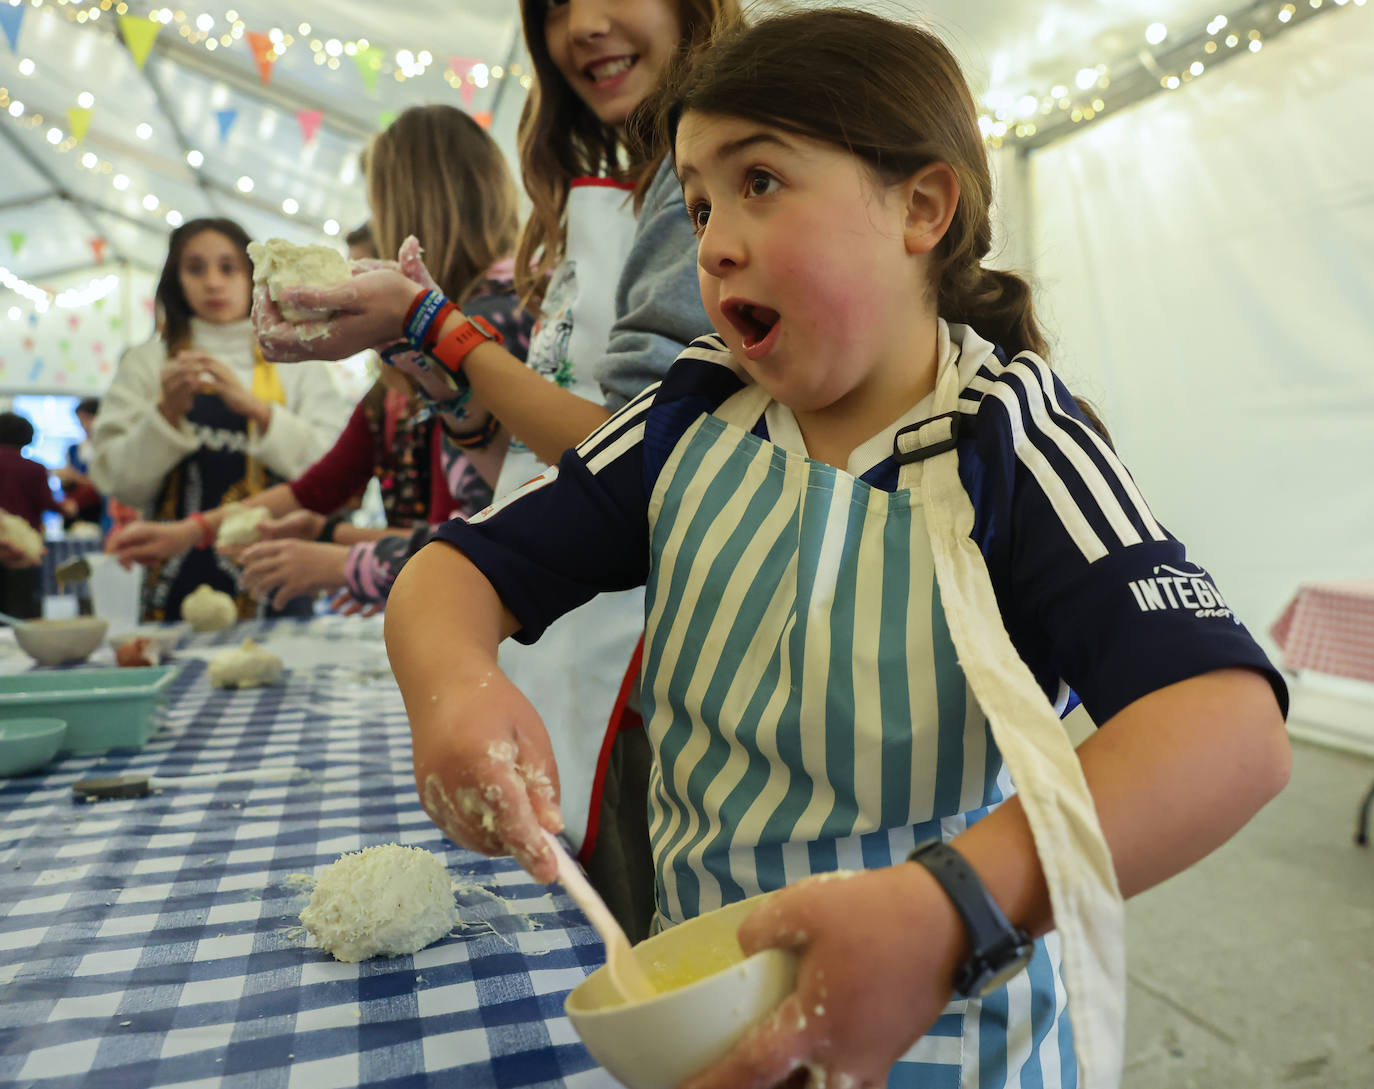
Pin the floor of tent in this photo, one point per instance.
(1255, 968)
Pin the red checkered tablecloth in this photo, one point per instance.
(1328, 627)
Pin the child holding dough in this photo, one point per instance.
(881, 543)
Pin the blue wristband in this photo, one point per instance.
(423, 317)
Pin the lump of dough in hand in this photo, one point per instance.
(20, 536)
(280, 264)
(240, 525)
(208, 609)
(381, 901)
(244, 666)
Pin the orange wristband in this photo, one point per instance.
(207, 534)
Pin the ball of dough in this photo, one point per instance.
(381, 901)
(280, 264)
(19, 535)
(208, 609)
(240, 525)
(244, 666)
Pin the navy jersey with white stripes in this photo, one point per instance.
(1095, 594)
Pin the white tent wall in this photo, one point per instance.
(1205, 264)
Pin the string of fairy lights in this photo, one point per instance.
(1174, 58)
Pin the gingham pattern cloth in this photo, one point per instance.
(1328, 627)
(155, 941)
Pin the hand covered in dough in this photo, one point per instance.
(283, 569)
(485, 771)
(878, 954)
(368, 312)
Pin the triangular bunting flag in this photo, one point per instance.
(10, 20)
(309, 121)
(460, 67)
(98, 250)
(483, 118)
(263, 53)
(78, 121)
(17, 239)
(226, 119)
(369, 62)
(139, 34)
(385, 118)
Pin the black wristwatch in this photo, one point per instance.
(1000, 950)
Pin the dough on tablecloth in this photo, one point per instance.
(240, 525)
(208, 609)
(381, 901)
(244, 666)
(280, 264)
(20, 536)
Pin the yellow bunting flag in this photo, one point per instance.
(139, 34)
(369, 62)
(78, 121)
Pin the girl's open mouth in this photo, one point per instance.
(758, 325)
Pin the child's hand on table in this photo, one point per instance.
(485, 771)
(878, 954)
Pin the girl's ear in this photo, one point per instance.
(931, 197)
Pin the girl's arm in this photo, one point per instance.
(152, 542)
(302, 430)
(133, 447)
(484, 768)
(1174, 775)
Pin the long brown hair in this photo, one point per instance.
(893, 95)
(561, 138)
(436, 173)
(176, 312)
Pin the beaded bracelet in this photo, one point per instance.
(473, 440)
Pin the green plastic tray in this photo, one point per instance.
(103, 708)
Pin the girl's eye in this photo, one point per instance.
(698, 212)
(760, 183)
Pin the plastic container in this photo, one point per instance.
(26, 744)
(104, 708)
(711, 995)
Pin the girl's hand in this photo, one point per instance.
(369, 312)
(302, 525)
(15, 558)
(287, 569)
(878, 954)
(485, 771)
(147, 543)
(219, 378)
(180, 384)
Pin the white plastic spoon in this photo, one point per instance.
(625, 970)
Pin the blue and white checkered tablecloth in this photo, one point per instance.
(155, 941)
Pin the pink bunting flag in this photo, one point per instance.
(309, 121)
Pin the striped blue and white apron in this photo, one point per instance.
(806, 704)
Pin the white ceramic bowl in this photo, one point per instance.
(56, 642)
(657, 1043)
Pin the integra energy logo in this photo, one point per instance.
(1174, 589)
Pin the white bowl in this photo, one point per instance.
(56, 642)
(659, 1042)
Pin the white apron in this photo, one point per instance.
(573, 674)
(813, 647)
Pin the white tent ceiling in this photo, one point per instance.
(54, 209)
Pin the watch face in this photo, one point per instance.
(992, 977)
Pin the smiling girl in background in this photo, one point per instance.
(613, 277)
(196, 417)
(881, 544)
